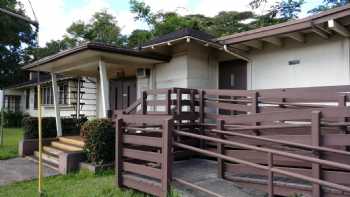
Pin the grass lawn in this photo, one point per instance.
(81, 184)
(11, 138)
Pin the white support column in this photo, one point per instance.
(104, 88)
(55, 91)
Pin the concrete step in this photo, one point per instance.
(45, 163)
(48, 158)
(76, 141)
(66, 147)
(52, 150)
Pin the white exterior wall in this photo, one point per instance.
(322, 63)
(173, 73)
(192, 66)
(202, 67)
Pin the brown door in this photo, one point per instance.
(233, 75)
(123, 93)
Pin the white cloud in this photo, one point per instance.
(51, 18)
(179, 6)
(54, 19)
(211, 8)
(127, 23)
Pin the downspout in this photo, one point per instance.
(235, 54)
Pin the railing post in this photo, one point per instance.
(178, 101)
(255, 109)
(144, 102)
(220, 148)
(201, 106)
(192, 99)
(315, 135)
(201, 116)
(342, 103)
(118, 151)
(167, 157)
(168, 102)
(270, 175)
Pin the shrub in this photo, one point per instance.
(12, 119)
(99, 137)
(30, 125)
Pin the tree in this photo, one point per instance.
(139, 36)
(165, 22)
(143, 12)
(103, 27)
(226, 23)
(329, 4)
(16, 36)
(279, 12)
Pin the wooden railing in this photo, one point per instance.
(299, 132)
(143, 153)
(238, 152)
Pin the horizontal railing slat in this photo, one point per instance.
(142, 155)
(142, 170)
(328, 175)
(228, 106)
(141, 185)
(142, 140)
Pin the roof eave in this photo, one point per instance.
(95, 47)
(287, 27)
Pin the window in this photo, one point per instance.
(35, 98)
(46, 95)
(12, 103)
(27, 98)
(63, 93)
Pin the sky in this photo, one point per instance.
(55, 16)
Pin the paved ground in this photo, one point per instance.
(20, 169)
(203, 173)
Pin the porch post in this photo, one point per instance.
(104, 87)
(56, 104)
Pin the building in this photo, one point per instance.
(314, 51)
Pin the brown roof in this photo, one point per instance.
(287, 27)
(98, 47)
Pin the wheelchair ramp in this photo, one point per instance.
(203, 173)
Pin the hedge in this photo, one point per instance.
(99, 137)
(70, 126)
(12, 119)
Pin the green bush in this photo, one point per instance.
(69, 127)
(12, 119)
(99, 137)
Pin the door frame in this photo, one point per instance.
(112, 98)
(248, 73)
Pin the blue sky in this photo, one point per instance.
(56, 15)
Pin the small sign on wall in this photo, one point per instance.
(293, 62)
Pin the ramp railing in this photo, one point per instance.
(143, 153)
(237, 151)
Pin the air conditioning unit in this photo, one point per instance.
(142, 72)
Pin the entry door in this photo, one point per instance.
(123, 93)
(233, 75)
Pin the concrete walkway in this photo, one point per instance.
(203, 173)
(20, 169)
